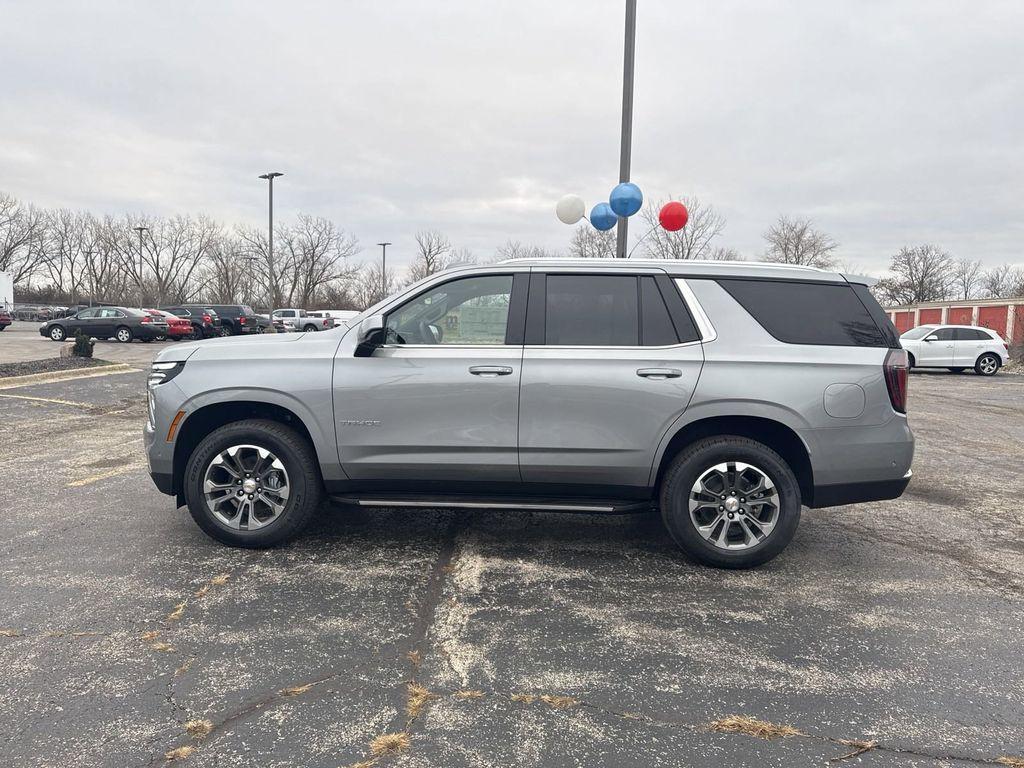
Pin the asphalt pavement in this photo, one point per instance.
(497, 638)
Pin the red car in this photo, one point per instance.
(5, 319)
(177, 328)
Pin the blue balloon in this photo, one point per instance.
(603, 217)
(626, 199)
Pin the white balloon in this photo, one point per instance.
(570, 209)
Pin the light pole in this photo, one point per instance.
(383, 269)
(270, 241)
(140, 230)
(627, 119)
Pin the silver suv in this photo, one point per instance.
(725, 394)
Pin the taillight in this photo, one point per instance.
(146, 319)
(241, 321)
(325, 322)
(206, 319)
(896, 369)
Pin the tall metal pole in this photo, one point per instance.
(270, 241)
(627, 119)
(383, 269)
(140, 230)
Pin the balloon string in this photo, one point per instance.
(637, 243)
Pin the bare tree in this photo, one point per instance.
(433, 254)
(725, 254)
(966, 278)
(22, 246)
(315, 253)
(369, 285)
(590, 243)
(796, 241)
(1002, 282)
(920, 273)
(65, 236)
(694, 241)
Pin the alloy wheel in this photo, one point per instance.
(734, 505)
(988, 365)
(246, 487)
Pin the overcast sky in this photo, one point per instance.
(888, 123)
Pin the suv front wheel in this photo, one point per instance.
(730, 502)
(253, 483)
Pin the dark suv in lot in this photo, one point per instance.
(121, 323)
(205, 322)
(235, 319)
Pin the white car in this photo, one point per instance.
(956, 347)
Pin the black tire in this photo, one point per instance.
(309, 329)
(988, 364)
(958, 369)
(299, 460)
(685, 470)
(227, 330)
(124, 334)
(57, 333)
(910, 360)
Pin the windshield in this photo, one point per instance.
(918, 333)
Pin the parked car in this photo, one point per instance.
(5, 319)
(323, 317)
(726, 394)
(340, 316)
(204, 321)
(956, 347)
(121, 323)
(178, 328)
(235, 319)
(300, 320)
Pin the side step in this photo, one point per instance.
(524, 503)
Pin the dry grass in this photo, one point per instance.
(416, 699)
(389, 743)
(524, 698)
(184, 667)
(1017, 762)
(9, 633)
(555, 702)
(179, 609)
(220, 580)
(150, 636)
(469, 694)
(180, 753)
(202, 591)
(198, 728)
(163, 647)
(414, 657)
(860, 747)
(296, 690)
(752, 727)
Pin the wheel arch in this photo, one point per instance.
(778, 436)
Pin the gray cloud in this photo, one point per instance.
(886, 122)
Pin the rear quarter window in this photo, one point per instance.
(827, 314)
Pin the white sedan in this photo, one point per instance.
(956, 347)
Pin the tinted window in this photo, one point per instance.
(86, 314)
(592, 311)
(473, 310)
(882, 321)
(944, 334)
(656, 327)
(969, 334)
(808, 313)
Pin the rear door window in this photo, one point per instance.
(592, 311)
(828, 314)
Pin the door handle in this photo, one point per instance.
(490, 370)
(659, 373)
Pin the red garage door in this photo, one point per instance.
(1018, 326)
(960, 315)
(904, 321)
(993, 318)
(931, 316)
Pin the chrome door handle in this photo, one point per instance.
(659, 373)
(490, 370)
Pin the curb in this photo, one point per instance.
(12, 382)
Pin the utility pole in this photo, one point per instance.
(270, 242)
(383, 269)
(625, 149)
(140, 230)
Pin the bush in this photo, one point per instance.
(83, 345)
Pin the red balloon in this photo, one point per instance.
(673, 216)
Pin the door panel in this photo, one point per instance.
(937, 353)
(419, 413)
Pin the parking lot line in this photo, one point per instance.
(15, 382)
(103, 475)
(47, 400)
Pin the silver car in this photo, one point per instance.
(727, 395)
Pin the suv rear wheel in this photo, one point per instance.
(253, 483)
(987, 365)
(730, 502)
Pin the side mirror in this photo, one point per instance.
(371, 335)
(933, 337)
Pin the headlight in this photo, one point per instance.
(161, 373)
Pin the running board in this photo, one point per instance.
(535, 504)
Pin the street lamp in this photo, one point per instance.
(383, 269)
(270, 240)
(627, 119)
(140, 230)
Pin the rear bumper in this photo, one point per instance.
(150, 331)
(856, 493)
